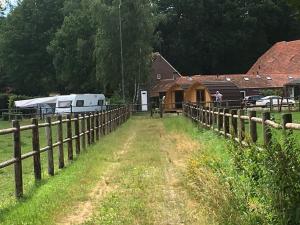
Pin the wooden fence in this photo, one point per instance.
(231, 122)
(88, 129)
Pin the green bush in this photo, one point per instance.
(13, 98)
(248, 186)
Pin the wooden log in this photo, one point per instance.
(61, 158)
(234, 123)
(88, 128)
(17, 156)
(97, 126)
(83, 130)
(36, 150)
(50, 150)
(252, 126)
(92, 116)
(69, 136)
(267, 135)
(241, 126)
(77, 133)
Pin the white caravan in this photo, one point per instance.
(79, 103)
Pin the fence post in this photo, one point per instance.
(83, 130)
(219, 120)
(77, 133)
(266, 129)
(286, 118)
(61, 160)
(50, 145)
(92, 116)
(36, 150)
(69, 136)
(252, 126)
(161, 109)
(241, 126)
(226, 122)
(17, 156)
(88, 128)
(97, 126)
(234, 123)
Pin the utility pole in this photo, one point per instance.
(122, 61)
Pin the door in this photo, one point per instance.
(178, 99)
(200, 96)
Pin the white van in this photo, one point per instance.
(79, 103)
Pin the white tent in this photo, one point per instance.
(35, 102)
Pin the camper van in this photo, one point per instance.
(79, 103)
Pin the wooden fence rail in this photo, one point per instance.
(231, 122)
(86, 127)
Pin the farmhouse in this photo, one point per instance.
(277, 69)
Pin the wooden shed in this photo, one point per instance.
(187, 89)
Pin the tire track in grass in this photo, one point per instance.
(84, 210)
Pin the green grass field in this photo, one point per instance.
(6, 152)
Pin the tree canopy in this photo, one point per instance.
(74, 46)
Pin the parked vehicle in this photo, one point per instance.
(79, 103)
(251, 100)
(275, 101)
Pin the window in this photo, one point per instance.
(100, 102)
(64, 104)
(80, 103)
(246, 78)
(158, 76)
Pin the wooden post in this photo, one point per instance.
(69, 136)
(266, 129)
(17, 156)
(83, 130)
(286, 118)
(61, 159)
(226, 122)
(92, 116)
(97, 126)
(101, 124)
(50, 145)
(88, 128)
(77, 133)
(234, 123)
(161, 109)
(36, 150)
(241, 126)
(252, 127)
(219, 120)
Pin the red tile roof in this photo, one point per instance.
(282, 58)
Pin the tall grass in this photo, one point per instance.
(245, 185)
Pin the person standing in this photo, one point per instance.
(218, 98)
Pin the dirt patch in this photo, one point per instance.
(84, 210)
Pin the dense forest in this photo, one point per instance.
(64, 46)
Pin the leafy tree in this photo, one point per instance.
(222, 36)
(73, 48)
(25, 35)
(138, 24)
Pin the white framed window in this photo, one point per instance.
(158, 76)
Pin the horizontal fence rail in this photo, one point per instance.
(88, 128)
(231, 122)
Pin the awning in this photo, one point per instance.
(35, 102)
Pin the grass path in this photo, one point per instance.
(133, 176)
